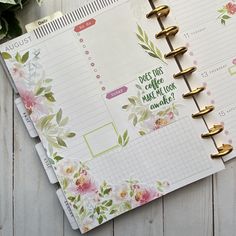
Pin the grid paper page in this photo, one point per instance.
(174, 162)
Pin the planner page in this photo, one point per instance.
(107, 109)
(208, 28)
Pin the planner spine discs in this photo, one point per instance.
(167, 32)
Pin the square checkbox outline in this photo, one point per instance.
(107, 150)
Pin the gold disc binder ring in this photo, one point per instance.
(187, 71)
(161, 11)
(203, 112)
(193, 92)
(216, 129)
(176, 52)
(224, 150)
(169, 31)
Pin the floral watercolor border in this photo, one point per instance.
(92, 203)
(36, 93)
(96, 203)
(146, 121)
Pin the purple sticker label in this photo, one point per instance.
(117, 92)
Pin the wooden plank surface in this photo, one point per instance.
(29, 206)
(225, 201)
(6, 157)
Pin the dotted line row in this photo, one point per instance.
(92, 64)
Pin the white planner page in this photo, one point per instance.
(107, 109)
(208, 29)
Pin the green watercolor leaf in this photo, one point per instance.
(158, 53)
(112, 212)
(120, 140)
(107, 191)
(125, 135)
(58, 158)
(50, 97)
(135, 120)
(148, 45)
(146, 38)
(18, 57)
(6, 55)
(98, 210)
(59, 116)
(71, 135)
(45, 120)
(40, 90)
(152, 54)
(72, 199)
(125, 107)
(109, 203)
(221, 10)
(126, 142)
(64, 122)
(25, 57)
(140, 30)
(132, 101)
(100, 219)
(144, 46)
(65, 183)
(81, 211)
(226, 17)
(127, 206)
(140, 38)
(142, 133)
(144, 116)
(152, 46)
(76, 175)
(61, 142)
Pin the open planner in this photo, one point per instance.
(122, 114)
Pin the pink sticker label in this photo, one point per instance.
(117, 92)
(84, 25)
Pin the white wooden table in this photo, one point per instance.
(29, 206)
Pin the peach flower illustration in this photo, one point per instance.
(144, 195)
(67, 167)
(83, 184)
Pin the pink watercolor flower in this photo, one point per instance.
(84, 184)
(18, 72)
(171, 115)
(34, 105)
(151, 123)
(231, 8)
(234, 61)
(144, 195)
(29, 99)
